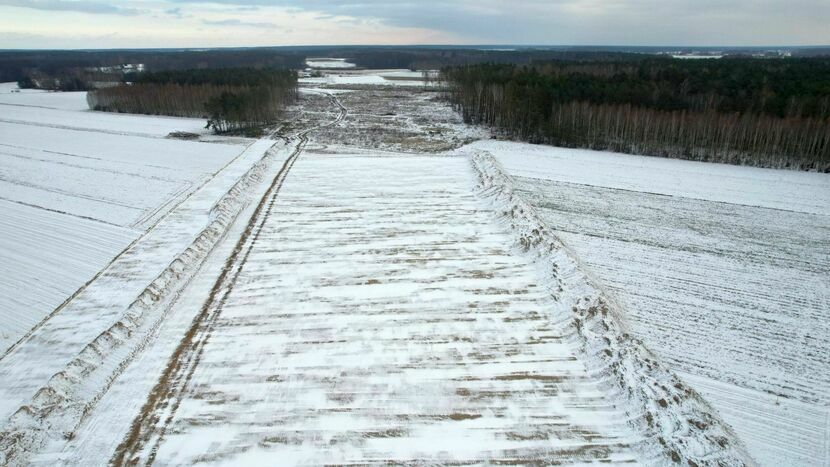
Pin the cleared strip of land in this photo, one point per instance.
(383, 319)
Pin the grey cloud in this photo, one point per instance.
(655, 22)
(237, 22)
(607, 22)
(82, 6)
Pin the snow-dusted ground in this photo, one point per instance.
(386, 316)
(53, 374)
(327, 62)
(392, 77)
(70, 110)
(76, 188)
(787, 190)
(384, 319)
(11, 95)
(401, 120)
(100, 434)
(367, 305)
(722, 269)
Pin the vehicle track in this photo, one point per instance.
(75, 385)
(146, 433)
(75, 128)
(87, 167)
(148, 228)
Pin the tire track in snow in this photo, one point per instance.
(57, 211)
(146, 432)
(62, 402)
(84, 157)
(87, 167)
(385, 319)
(66, 399)
(126, 249)
(75, 128)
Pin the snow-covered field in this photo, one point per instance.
(328, 62)
(722, 269)
(69, 110)
(386, 316)
(367, 290)
(786, 190)
(346, 77)
(382, 306)
(76, 188)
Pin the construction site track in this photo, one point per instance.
(146, 432)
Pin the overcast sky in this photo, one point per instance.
(196, 23)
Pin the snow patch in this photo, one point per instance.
(327, 62)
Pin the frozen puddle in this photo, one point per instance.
(382, 317)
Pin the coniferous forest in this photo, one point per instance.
(767, 113)
(232, 99)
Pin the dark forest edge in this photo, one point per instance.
(765, 113)
(97, 65)
(234, 100)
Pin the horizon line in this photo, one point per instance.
(469, 46)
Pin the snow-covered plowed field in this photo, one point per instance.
(378, 314)
(73, 197)
(55, 375)
(723, 270)
(334, 74)
(128, 181)
(70, 110)
(357, 299)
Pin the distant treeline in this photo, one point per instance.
(436, 57)
(762, 112)
(52, 68)
(232, 99)
(433, 59)
(16, 65)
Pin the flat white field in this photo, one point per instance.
(327, 62)
(70, 110)
(11, 96)
(73, 196)
(722, 269)
(45, 257)
(782, 189)
(390, 77)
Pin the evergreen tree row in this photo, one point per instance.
(770, 113)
